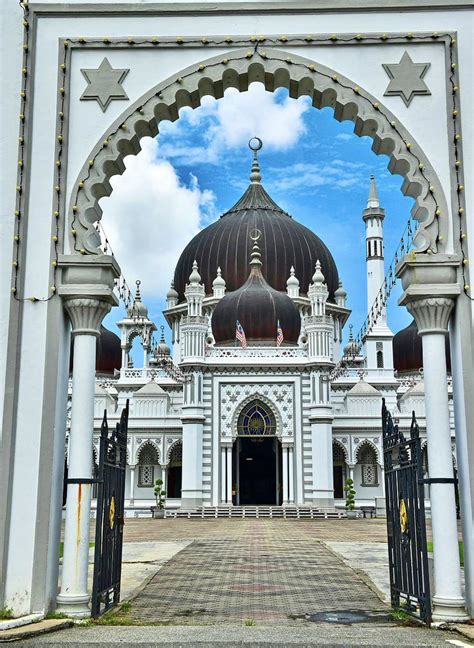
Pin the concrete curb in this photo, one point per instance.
(34, 629)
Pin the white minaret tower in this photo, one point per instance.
(378, 344)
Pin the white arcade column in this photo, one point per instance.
(86, 315)
(432, 316)
(132, 484)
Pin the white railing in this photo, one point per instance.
(256, 352)
(144, 375)
(370, 374)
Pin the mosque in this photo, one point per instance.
(243, 410)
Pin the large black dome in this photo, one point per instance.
(284, 243)
(258, 307)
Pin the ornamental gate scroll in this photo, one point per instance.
(406, 530)
(110, 515)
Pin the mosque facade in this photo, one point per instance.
(244, 408)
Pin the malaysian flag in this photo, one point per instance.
(280, 337)
(240, 334)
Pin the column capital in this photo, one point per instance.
(86, 288)
(431, 314)
(86, 314)
(431, 286)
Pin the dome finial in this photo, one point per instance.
(255, 144)
(318, 276)
(255, 256)
(195, 277)
(138, 296)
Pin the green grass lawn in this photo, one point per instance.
(61, 548)
(461, 550)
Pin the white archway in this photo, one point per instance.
(302, 77)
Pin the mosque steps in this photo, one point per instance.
(242, 512)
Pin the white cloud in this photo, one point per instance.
(150, 217)
(231, 121)
(344, 137)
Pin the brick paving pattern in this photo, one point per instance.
(266, 570)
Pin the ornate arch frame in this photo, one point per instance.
(171, 448)
(374, 448)
(144, 443)
(238, 68)
(266, 401)
(339, 443)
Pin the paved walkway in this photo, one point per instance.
(258, 570)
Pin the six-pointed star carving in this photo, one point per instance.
(104, 84)
(406, 78)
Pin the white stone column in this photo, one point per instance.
(432, 316)
(351, 471)
(321, 440)
(164, 478)
(191, 492)
(291, 476)
(86, 315)
(132, 484)
(284, 474)
(229, 475)
(223, 474)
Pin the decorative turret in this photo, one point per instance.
(136, 324)
(318, 292)
(138, 310)
(194, 292)
(218, 285)
(292, 284)
(340, 295)
(172, 296)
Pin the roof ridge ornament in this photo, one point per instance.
(255, 144)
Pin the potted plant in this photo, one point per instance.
(351, 513)
(158, 511)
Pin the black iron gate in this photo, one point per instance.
(110, 515)
(405, 501)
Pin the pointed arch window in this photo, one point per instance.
(147, 466)
(367, 459)
(256, 419)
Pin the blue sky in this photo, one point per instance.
(313, 166)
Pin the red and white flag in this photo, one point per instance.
(240, 335)
(280, 337)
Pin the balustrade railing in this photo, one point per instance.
(256, 352)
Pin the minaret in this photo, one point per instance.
(378, 343)
(373, 217)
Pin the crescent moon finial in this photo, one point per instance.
(255, 144)
(255, 235)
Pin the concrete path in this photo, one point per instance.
(255, 570)
(236, 636)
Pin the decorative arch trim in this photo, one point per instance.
(265, 401)
(171, 448)
(141, 447)
(275, 69)
(344, 449)
(371, 444)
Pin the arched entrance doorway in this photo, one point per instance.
(257, 458)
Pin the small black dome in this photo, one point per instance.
(408, 350)
(258, 307)
(108, 355)
(285, 243)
